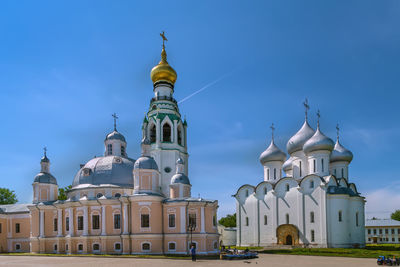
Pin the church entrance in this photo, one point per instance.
(287, 234)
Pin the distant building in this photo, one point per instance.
(315, 204)
(382, 231)
(227, 236)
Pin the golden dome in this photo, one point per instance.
(163, 71)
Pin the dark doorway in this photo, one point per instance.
(289, 240)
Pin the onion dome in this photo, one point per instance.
(146, 162)
(108, 170)
(318, 141)
(297, 141)
(340, 153)
(272, 153)
(45, 158)
(163, 71)
(45, 178)
(115, 135)
(287, 166)
(180, 178)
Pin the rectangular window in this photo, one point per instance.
(17, 228)
(122, 150)
(95, 222)
(322, 165)
(67, 224)
(214, 220)
(392, 239)
(55, 224)
(340, 216)
(311, 184)
(171, 220)
(314, 165)
(171, 246)
(80, 223)
(386, 231)
(192, 219)
(0, 228)
(247, 221)
(312, 219)
(117, 221)
(109, 149)
(312, 236)
(265, 220)
(392, 231)
(380, 231)
(265, 190)
(356, 218)
(374, 231)
(369, 231)
(145, 221)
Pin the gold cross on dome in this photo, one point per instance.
(163, 38)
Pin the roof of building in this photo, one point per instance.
(146, 163)
(381, 222)
(14, 208)
(45, 178)
(180, 178)
(297, 141)
(272, 153)
(115, 135)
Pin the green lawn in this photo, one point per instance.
(370, 251)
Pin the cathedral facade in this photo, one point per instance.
(118, 205)
(314, 205)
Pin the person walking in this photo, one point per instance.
(193, 252)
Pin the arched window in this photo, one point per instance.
(166, 132)
(109, 149)
(146, 246)
(274, 174)
(340, 216)
(247, 221)
(356, 218)
(247, 193)
(314, 165)
(300, 169)
(117, 195)
(311, 184)
(267, 174)
(153, 133)
(96, 247)
(322, 165)
(265, 190)
(312, 217)
(265, 220)
(287, 187)
(312, 236)
(287, 218)
(342, 173)
(180, 140)
(122, 150)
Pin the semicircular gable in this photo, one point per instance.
(285, 180)
(249, 186)
(332, 181)
(264, 184)
(343, 182)
(310, 176)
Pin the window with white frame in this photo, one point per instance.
(145, 221)
(171, 246)
(117, 221)
(55, 247)
(166, 130)
(55, 224)
(80, 223)
(95, 221)
(117, 246)
(192, 219)
(96, 247)
(17, 247)
(146, 247)
(80, 247)
(171, 220)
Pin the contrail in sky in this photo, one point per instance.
(208, 85)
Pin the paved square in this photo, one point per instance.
(263, 260)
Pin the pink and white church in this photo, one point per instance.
(118, 205)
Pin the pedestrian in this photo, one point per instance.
(193, 252)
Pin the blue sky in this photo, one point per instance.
(66, 66)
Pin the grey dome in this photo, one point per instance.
(106, 170)
(179, 161)
(288, 164)
(115, 136)
(340, 153)
(297, 141)
(318, 141)
(180, 178)
(272, 153)
(45, 178)
(146, 162)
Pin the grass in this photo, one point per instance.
(370, 251)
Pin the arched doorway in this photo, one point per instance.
(287, 234)
(289, 240)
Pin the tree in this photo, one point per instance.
(228, 221)
(62, 192)
(7, 196)
(395, 215)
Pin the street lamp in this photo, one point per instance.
(191, 227)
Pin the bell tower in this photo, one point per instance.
(163, 125)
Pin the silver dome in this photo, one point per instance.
(288, 164)
(115, 136)
(318, 141)
(45, 178)
(340, 153)
(106, 170)
(180, 178)
(272, 153)
(297, 141)
(145, 162)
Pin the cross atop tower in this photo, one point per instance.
(45, 151)
(115, 120)
(306, 106)
(337, 131)
(163, 39)
(318, 117)
(272, 130)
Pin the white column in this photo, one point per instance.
(125, 214)
(103, 220)
(158, 133)
(41, 223)
(202, 230)
(59, 223)
(85, 221)
(71, 222)
(183, 219)
(175, 131)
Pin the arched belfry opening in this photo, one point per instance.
(180, 139)
(153, 133)
(166, 129)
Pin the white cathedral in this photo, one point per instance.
(314, 205)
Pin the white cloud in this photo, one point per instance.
(382, 202)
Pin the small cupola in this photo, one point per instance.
(180, 186)
(340, 159)
(45, 186)
(115, 143)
